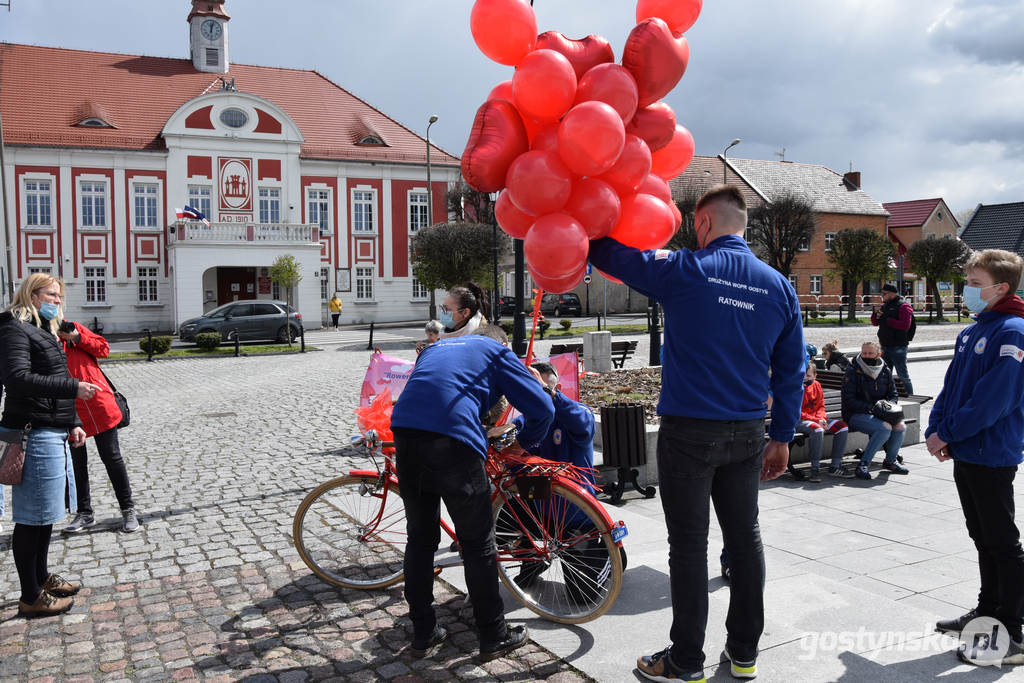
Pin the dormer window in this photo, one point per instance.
(371, 140)
(234, 118)
(94, 123)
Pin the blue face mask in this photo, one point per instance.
(48, 310)
(973, 300)
(446, 319)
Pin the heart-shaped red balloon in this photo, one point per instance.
(656, 57)
(654, 124)
(632, 167)
(498, 137)
(584, 54)
(611, 84)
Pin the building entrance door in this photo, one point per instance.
(235, 283)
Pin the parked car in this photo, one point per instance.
(253, 319)
(507, 305)
(561, 305)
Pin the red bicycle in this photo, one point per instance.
(559, 552)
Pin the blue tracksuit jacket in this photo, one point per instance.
(457, 380)
(571, 435)
(980, 410)
(729, 318)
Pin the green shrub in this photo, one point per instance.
(208, 341)
(543, 327)
(161, 344)
(507, 326)
(566, 324)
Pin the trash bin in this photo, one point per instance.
(624, 445)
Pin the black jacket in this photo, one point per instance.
(34, 372)
(890, 336)
(860, 392)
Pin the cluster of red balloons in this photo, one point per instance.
(582, 147)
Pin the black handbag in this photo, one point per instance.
(887, 411)
(120, 400)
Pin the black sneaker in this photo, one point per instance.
(955, 626)
(797, 474)
(815, 476)
(80, 523)
(515, 636)
(895, 467)
(423, 648)
(131, 521)
(840, 472)
(659, 667)
(862, 473)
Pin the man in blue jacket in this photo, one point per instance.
(440, 448)
(729, 319)
(978, 422)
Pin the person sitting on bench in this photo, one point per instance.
(867, 381)
(814, 423)
(834, 360)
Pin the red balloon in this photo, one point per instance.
(595, 204)
(611, 84)
(680, 15)
(656, 58)
(514, 222)
(677, 217)
(655, 124)
(608, 277)
(538, 182)
(556, 246)
(497, 138)
(632, 167)
(502, 91)
(546, 138)
(672, 159)
(646, 222)
(590, 138)
(559, 285)
(584, 54)
(504, 30)
(657, 186)
(544, 85)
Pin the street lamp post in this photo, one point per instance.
(725, 159)
(432, 314)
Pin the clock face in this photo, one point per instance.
(210, 29)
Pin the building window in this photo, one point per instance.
(39, 269)
(95, 286)
(418, 291)
(275, 290)
(199, 199)
(233, 118)
(145, 204)
(362, 211)
(804, 244)
(364, 284)
(815, 284)
(148, 292)
(318, 209)
(37, 203)
(931, 236)
(793, 279)
(270, 204)
(418, 211)
(830, 238)
(94, 205)
(325, 274)
(211, 57)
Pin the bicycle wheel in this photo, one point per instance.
(351, 532)
(553, 557)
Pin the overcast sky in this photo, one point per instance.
(924, 97)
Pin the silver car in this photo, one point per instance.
(250, 319)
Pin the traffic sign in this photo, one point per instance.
(587, 279)
(590, 269)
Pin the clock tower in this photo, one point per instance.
(208, 36)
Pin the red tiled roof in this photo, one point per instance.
(45, 88)
(910, 214)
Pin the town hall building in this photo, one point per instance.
(100, 149)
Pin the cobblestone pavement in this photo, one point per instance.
(220, 453)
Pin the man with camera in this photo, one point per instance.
(870, 406)
(895, 322)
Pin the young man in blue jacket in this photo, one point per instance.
(978, 422)
(441, 447)
(729, 319)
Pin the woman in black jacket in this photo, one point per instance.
(40, 397)
(867, 381)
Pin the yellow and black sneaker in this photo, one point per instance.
(740, 668)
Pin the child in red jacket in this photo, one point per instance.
(814, 423)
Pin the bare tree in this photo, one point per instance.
(779, 230)
(686, 201)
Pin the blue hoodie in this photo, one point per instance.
(457, 380)
(980, 410)
(729, 318)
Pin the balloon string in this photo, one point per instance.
(539, 293)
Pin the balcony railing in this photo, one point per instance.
(293, 233)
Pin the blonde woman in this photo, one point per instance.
(42, 394)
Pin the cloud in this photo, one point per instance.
(988, 31)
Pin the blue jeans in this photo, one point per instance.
(700, 461)
(816, 438)
(878, 433)
(896, 357)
